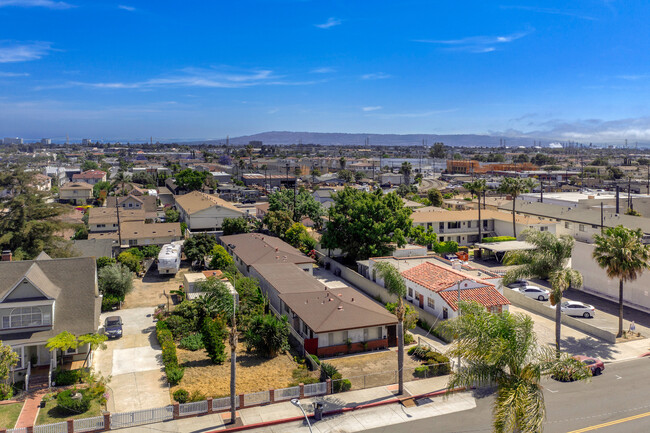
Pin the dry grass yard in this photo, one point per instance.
(371, 363)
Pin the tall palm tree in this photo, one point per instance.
(549, 260)
(406, 170)
(502, 350)
(477, 187)
(514, 186)
(621, 252)
(394, 282)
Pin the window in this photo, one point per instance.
(26, 316)
(543, 229)
(345, 336)
(441, 227)
(567, 225)
(453, 225)
(330, 339)
(410, 292)
(365, 334)
(594, 226)
(469, 224)
(379, 332)
(431, 304)
(581, 227)
(133, 242)
(485, 224)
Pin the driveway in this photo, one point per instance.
(135, 363)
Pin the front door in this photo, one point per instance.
(445, 313)
(421, 301)
(392, 335)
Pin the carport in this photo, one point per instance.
(499, 249)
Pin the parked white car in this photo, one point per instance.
(575, 308)
(534, 292)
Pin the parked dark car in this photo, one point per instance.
(113, 327)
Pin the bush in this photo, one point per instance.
(67, 377)
(197, 396)
(135, 252)
(115, 280)
(130, 261)
(174, 374)
(110, 302)
(220, 258)
(498, 239)
(179, 326)
(192, 342)
(315, 358)
(327, 371)
(268, 334)
(6, 391)
(412, 350)
(341, 385)
(213, 333)
(66, 403)
(408, 338)
(169, 357)
(446, 247)
(150, 251)
(104, 261)
(181, 395)
(421, 371)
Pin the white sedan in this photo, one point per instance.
(534, 292)
(575, 308)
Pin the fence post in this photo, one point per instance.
(3, 430)
(107, 421)
(328, 386)
(70, 425)
(241, 401)
(209, 405)
(271, 396)
(176, 411)
(302, 390)
(30, 429)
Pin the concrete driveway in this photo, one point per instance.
(135, 363)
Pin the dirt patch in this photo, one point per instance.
(254, 373)
(148, 291)
(371, 363)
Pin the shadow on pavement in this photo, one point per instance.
(589, 347)
(610, 307)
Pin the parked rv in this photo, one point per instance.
(169, 259)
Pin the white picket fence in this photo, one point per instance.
(315, 389)
(145, 416)
(89, 424)
(287, 393)
(257, 398)
(193, 408)
(59, 427)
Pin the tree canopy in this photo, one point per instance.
(199, 246)
(191, 180)
(234, 226)
(366, 224)
(306, 205)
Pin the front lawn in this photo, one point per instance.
(9, 414)
(51, 414)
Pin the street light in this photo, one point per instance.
(296, 402)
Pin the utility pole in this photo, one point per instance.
(233, 353)
(119, 227)
(602, 218)
(458, 316)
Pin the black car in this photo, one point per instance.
(113, 327)
(248, 201)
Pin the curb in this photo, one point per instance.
(335, 412)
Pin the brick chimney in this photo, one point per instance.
(6, 256)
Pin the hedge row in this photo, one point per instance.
(499, 239)
(170, 360)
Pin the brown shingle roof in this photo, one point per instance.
(75, 186)
(108, 215)
(90, 174)
(141, 230)
(197, 201)
(254, 248)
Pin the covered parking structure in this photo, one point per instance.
(498, 250)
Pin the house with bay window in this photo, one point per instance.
(41, 298)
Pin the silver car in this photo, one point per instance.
(575, 308)
(534, 292)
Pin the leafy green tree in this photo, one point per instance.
(213, 333)
(172, 215)
(191, 180)
(614, 172)
(150, 251)
(251, 299)
(435, 197)
(101, 186)
(342, 162)
(63, 341)
(129, 260)
(30, 218)
(80, 233)
(94, 341)
(623, 255)
(198, 247)
(395, 285)
(278, 222)
(514, 187)
(217, 299)
(346, 176)
(220, 258)
(438, 151)
(366, 224)
(305, 205)
(104, 261)
(268, 335)
(298, 237)
(115, 279)
(89, 165)
(549, 259)
(404, 190)
(425, 237)
(478, 187)
(406, 170)
(234, 226)
(8, 360)
(501, 350)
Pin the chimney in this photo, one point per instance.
(6, 256)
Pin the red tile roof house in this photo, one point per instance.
(91, 176)
(435, 288)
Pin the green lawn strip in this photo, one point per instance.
(50, 414)
(9, 414)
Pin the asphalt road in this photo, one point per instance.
(618, 401)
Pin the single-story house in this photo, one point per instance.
(203, 212)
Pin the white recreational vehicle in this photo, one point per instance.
(169, 259)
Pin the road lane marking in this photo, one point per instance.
(618, 377)
(607, 424)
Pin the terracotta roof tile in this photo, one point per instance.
(434, 277)
(487, 295)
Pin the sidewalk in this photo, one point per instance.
(366, 418)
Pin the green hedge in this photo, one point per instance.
(67, 377)
(181, 395)
(169, 357)
(499, 239)
(66, 403)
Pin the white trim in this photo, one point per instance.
(41, 303)
(24, 277)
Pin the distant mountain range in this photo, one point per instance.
(343, 139)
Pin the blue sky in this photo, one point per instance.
(206, 69)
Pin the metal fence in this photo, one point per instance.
(315, 389)
(388, 377)
(257, 398)
(145, 416)
(193, 408)
(59, 427)
(89, 424)
(287, 393)
(17, 430)
(219, 404)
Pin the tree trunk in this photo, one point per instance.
(480, 226)
(558, 324)
(514, 227)
(233, 369)
(620, 309)
(400, 347)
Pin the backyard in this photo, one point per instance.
(9, 414)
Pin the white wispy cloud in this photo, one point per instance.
(195, 77)
(413, 114)
(11, 52)
(331, 22)
(375, 76)
(476, 44)
(372, 108)
(13, 74)
(49, 4)
(550, 11)
(126, 8)
(633, 77)
(323, 70)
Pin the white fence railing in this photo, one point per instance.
(89, 424)
(287, 393)
(145, 416)
(257, 398)
(193, 408)
(219, 404)
(59, 427)
(315, 389)
(17, 430)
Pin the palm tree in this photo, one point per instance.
(514, 186)
(621, 252)
(549, 260)
(342, 162)
(502, 350)
(477, 187)
(119, 180)
(406, 170)
(394, 282)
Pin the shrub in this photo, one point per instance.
(213, 333)
(150, 251)
(6, 391)
(135, 252)
(498, 239)
(327, 371)
(315, 358)
(197, 396)
(181, 395)
(408, 338)
(179, 326)
(104, 261)
(115, 280)
(67, 377)
(130, 261)
(268, 334)
(341, 385)
(169, 357)
(110, 302)
(66, 403)
(192, 342)
(421, 371)
(174, 374)
(412, 350)
(220, 257)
